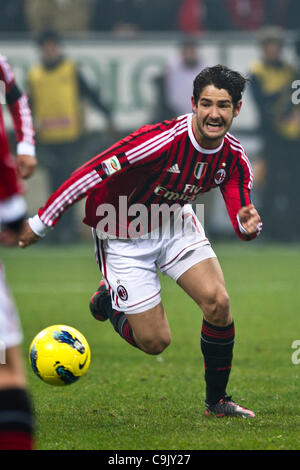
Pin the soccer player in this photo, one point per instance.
(17, 103)
(16, 416)
(160, 167)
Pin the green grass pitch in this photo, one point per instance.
(129, 400)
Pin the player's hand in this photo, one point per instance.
(27, 236)
(26, 164)
(249, 218)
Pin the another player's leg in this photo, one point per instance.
(16, 415)
(204, 282)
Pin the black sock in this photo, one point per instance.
(217, 348)
(16, 420)
(122, 326)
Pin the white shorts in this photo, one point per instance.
(10, 330)
(130, 266)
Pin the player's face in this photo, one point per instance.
(213, 116)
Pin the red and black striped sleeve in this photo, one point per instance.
(236, 190)
(19, 109)
(142, 147)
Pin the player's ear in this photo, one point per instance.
(237, 108)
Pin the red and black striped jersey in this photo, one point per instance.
(18, 107)
(157, 164)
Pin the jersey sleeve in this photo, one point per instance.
(236, 192)
(139, 149)
(19, 109)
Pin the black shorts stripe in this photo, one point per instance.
(97, 242)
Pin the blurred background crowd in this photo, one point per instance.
(120, 16)
(132, 62)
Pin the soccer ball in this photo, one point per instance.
(59, 355)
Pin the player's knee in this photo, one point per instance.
(216, 307)
(156, 345)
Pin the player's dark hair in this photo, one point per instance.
(222, 78)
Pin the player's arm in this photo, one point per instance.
(21, 115)
(83, 182)
(79, 185)
(139, 149)
(22, 121)
(236, 192)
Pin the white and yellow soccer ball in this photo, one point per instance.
(59, 355)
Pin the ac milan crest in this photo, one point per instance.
(122, 292)
(220, 176)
